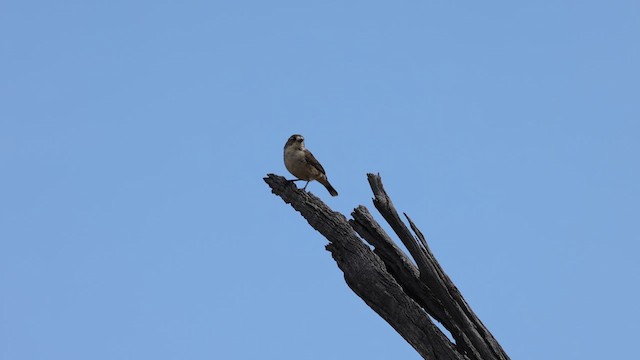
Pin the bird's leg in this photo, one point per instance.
(305, 185)
(294, 180)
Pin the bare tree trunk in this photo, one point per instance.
(406, 293)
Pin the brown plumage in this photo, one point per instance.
(302, 164)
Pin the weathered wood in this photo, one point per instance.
(403, 294)
(471, 336)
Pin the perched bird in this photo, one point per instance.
(302, 164)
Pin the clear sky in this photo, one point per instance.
(134, 135)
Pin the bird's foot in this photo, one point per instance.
(293, 181)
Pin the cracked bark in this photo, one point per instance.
(405, 291)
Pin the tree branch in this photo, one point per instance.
(403, 294)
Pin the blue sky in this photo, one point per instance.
(134, 222)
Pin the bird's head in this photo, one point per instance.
(296, 140)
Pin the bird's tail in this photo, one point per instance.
(324, 181)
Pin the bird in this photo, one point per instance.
(303, 165)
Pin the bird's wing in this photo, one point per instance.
(311, 160)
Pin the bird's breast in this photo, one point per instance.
(295, 162)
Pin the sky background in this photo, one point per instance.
(134, 136)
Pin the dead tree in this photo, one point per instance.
(407, 292)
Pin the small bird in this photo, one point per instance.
(302, 164)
